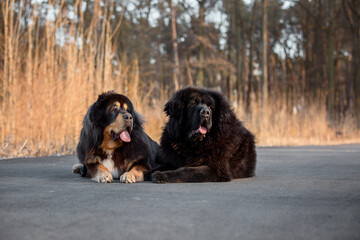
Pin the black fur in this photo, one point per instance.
(225, 152)
(141, 147)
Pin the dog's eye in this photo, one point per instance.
(115, 108)
(197, 101)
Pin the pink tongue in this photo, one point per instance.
(125, 136)
(202, 130)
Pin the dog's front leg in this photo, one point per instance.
(98, 172)
(189, 174)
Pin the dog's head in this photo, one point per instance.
(114, 118)
(195, 112)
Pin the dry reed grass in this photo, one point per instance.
(47, 86)
(48, 82)
(277, 126)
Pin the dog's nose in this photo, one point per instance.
(205, 112)
(127, 116)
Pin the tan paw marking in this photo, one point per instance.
(103, 177)
(128, 177)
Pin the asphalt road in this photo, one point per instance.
(298, 193)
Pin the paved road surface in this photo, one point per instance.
(299, 193)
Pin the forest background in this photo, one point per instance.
(290, 69)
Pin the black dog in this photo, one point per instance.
(203, 141)
(113, 143)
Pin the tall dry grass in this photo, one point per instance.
(51, 71)
(276, 125)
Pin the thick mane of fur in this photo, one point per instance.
(175, 108)
(95, 121)
(226, 151)
(113, 144)
(91, 136)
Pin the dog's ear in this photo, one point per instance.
(97, 111)
(91, 136)
(223, 112)
(92, 124)
(94, 114)
(95, 121)
(173, 127)
(173, 107)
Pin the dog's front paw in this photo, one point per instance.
(128, 177)
(103, 177)
(159, 177)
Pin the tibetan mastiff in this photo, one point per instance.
(113, 144)
(203, 141)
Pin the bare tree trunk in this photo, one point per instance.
(356, 60)
(352, 12)
(201, 47)
(243, 65)
(349, 88)
(230, 39)
(283, 82)
(188, 72)
(174, 47)
(264, 55)
(251, 52)
(273, 79)
(331, 79)
(238, 50)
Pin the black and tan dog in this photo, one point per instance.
(203, 141)
(113, 144)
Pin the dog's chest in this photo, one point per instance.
(110, 165)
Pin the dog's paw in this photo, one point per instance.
(159, 177)
(103, 177)
(128, 177)
(77, 168)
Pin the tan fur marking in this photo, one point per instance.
(108, 143)
(134, 175)
(102, 174)
(129, 163)
(125, 106)
(138, 172)
(174, 146)
(92, 160)
(111, 106)
(101, 168)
